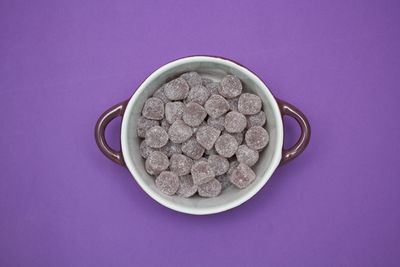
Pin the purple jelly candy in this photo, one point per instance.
(235, 122)
(192, 78)
(174, 111)
(242, 176)
(192, 149)
(156, 137)
(194, 114)
(202, 172)
(198, 94)
(177, 89)
(210, 189)
(258, 119)
(256, 138)
(249, 104)
(145, 124)
(216, 106)
(219, 164)
(180, 164)
(230, 87)
(179, 132)
(246, 155)
(206, 136)
(156, 162)
(187, 188)
(153, 109)
(167, 182)
(226, 145)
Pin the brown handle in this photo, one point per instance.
(293, 152)
(99, 133)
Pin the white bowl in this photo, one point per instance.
(214, 68)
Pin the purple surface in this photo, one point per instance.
(62, 64)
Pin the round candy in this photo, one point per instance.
(174, 111)
(171, 148)
(258, 119)
(226, 145)
(235, 122)
(256, 137)
(194, 114)
(249, 104)
(179, 132)
(144, 124)
(246, 155)
(216, 106)
(217, 123)
(206, 81)
(156, 162)
(202, 172)
(219, 165)
(242, 176)
(213, 88)
(224, 180)
(177, 89)
(192, 149)
(159, 93)
(180, 164)
(153, 109)
(198, 94)
(206, 136)
(230, 87)
(233, 103)
(186, 188)
(145, 150)
(156, 137)
(192, 78)
(168, 182)
(210, 189)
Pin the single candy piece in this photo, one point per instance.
(177, 89)
(242, 176)
(258, 119)
(159, 93)
(192, 78)
(249, 104)
(156, 163)
(226, 145)
(213, 88)
(153, 109)
(194, 114)
(192, 149)
(217, 123)
(230, 87)
(211, 152)
(186, 188)
(256, 137)
(232, 166)
(210, 189)
(224, 180)
(156, 137)
(179, 132)
(198, 94)
(206, 81)
(171, 148)
(168, 182)
(233, 103)
(235, 122)
(165, 125)
(180, 164)
(174, 111)
(206, 136)
(216, 106)
(246, 155)
(143, 125)
(219, 165)
(145, 150)
(202, 172)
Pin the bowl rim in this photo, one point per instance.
(275, 161)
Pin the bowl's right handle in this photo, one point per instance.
(293, 152)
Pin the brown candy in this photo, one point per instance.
(256, 137)
(192, 149)
(219, 164)
(216, 106)
(177, 89)
(235, 122)
(145, 124)
(246, 155)
(156, 162)
(226, 145)
(180, 164)
(179, 132)
(168, 182)
(186, 188)
(249, 104)
(230, 87)
(202, 172)
(153, 109)
(206, 136)
(194, 114)
(210, 189)
(242, 176)
(156, 137)
(192, 78)
(258, 119)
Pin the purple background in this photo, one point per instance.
(62, 63)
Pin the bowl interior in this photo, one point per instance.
(215, 69)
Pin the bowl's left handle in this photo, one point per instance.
(99, 132)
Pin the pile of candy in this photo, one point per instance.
(201, 136)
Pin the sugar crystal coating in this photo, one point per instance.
(153, 109)
(202, 172)
(145, 124)
(192, 78)
(165, 125)
(174, 111)
(226, 145)
(242, 176)
(213, 88)
(233, 103)
(219, 164)
(168, 182)
(211, 151)
(256, 138)
(235, 122)
(192, 148)
(210, 189)
(156, 162)
(230, 87)
(217, 123)
(206, 136)
(194, 114)
(198, 94)
(258, 119)
(201, 159)
(156, 137)
(232, 166)
(249, 104)
(224, 180)
(238, 136)
(206, 81)
(159, 93)
(171, 148)
(186, 188)
(246, 155)
(180, 164)
(176, 89)
(216, 106)
(179, 132)
(145, 150)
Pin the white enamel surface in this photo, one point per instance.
(214, 68)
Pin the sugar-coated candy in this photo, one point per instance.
(219, 164)
(159, 93)
(168, 182)
(233, 103)
(177, 89)
(213, 88)
(156, 137)
(171, 148)
(153, 109)
(224, 180)
(202, 172)
(226, 145)
(232, 166)
(217, 123)
(230, 87)
(145, 124)
(210, 189)
(192, 148)
(242, 176)
(206, 136)
(201, 159)
(180, 164)
(256, 138)
(165, 124)
(186, 188)
(216, 106)
(235, 122)
(249, 104)
(156, 162)
(174, 111)
(246, 155)
(145, 150)
(206, 81)
(194, 114)
(258, 119)
(238, 136)
(179, 132)
(198, 94)
(192, 78)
